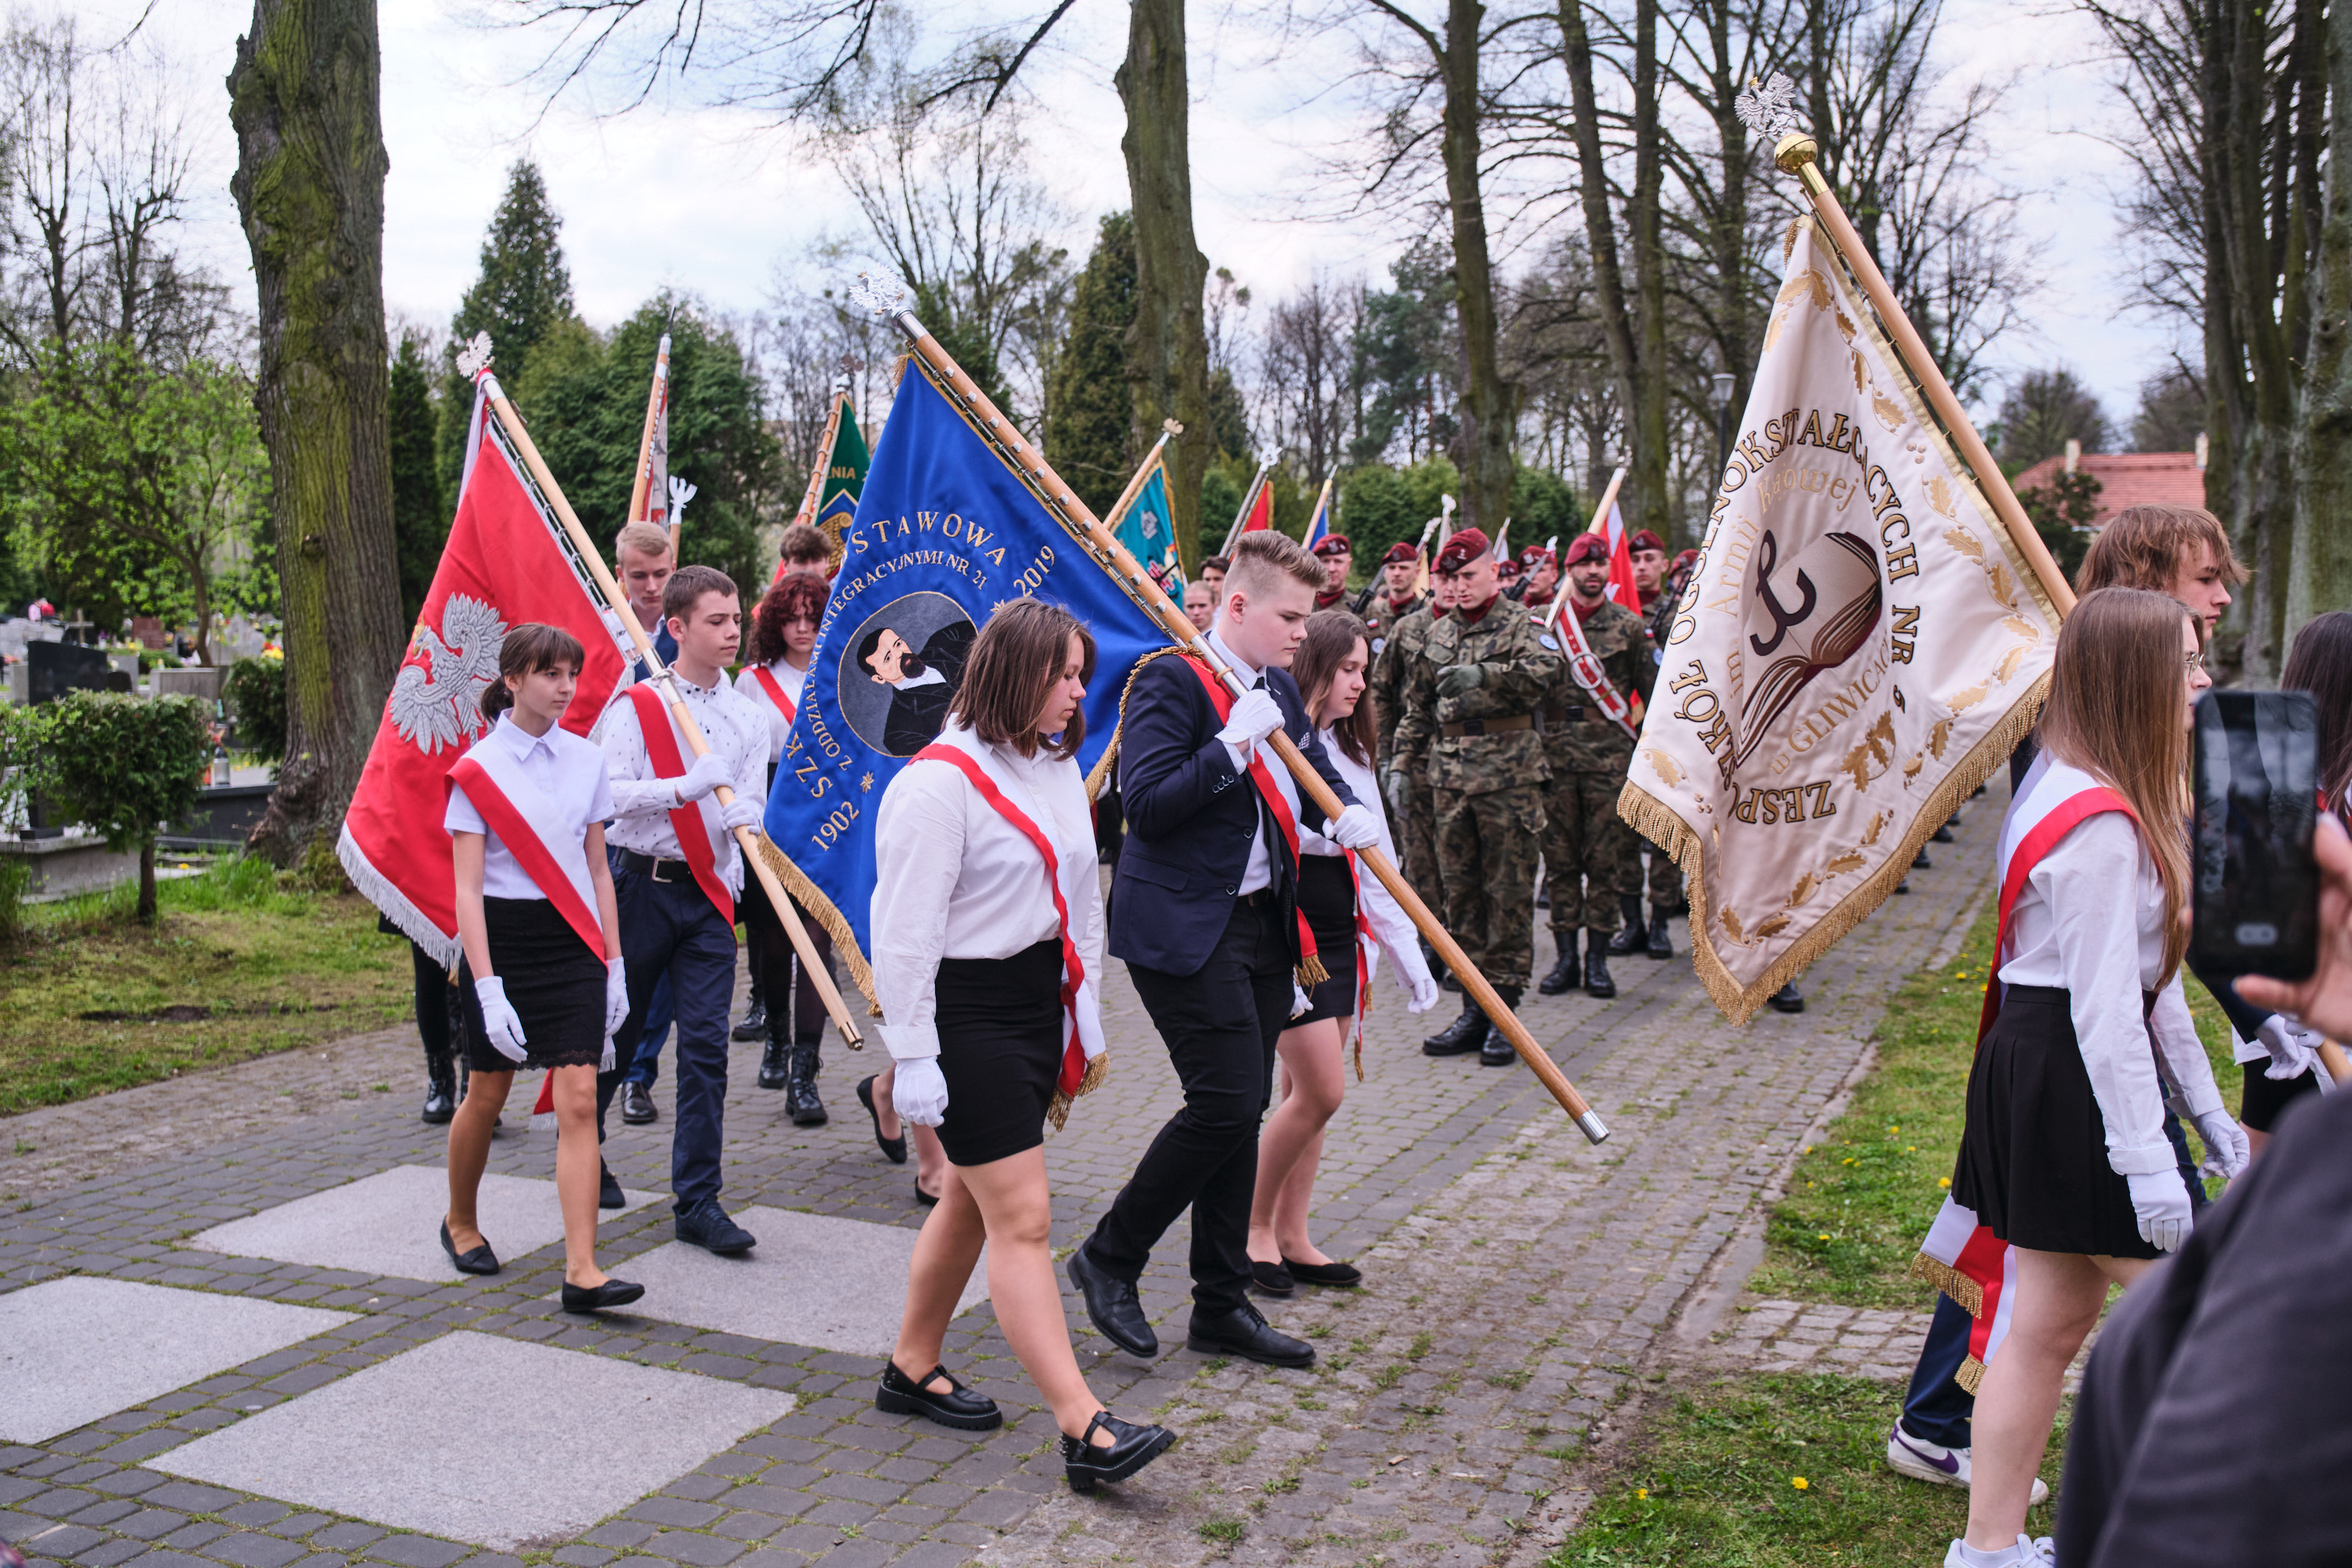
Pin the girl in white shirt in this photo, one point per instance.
(987, 937)
(542, 977)
(1350, 913)
(2064, 1156)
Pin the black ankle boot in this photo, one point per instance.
(440, 1089)
(1597, 983)
(800, 1102)
(1496, 1050)
(1564, 975)
(1662, 944)
(1459, 1037)
(775, 1070)
(1631, 936)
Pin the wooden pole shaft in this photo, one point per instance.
(1561, 589)
(823, 466)
(643, 483)
(1249, 499)
(747, 838)
(1114, 558)
(1796, 155)
(1135, 482)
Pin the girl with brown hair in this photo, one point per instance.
(2064, 1156)
(987, 924)
(1354, 920)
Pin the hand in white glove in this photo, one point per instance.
(499, 1019)
(2226, 1148)
(1424, 993)
(617, 996)
(1253, 717)
(919, 1091)
(2294, 1051)
(2161, 1202)
(709, 772)
(1355, 828)
(1394, 788)
(741, 812)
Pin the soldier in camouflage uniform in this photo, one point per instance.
(1407, 787)
(1471, 693)
(1666, 878)
(1591, 856)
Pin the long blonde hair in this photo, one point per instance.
(2116, 696)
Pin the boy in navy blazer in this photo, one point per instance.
(1203, 909)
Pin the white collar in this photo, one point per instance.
(909, 682)
(520, 742)
(1226, 656)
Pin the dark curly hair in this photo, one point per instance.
(794, 598)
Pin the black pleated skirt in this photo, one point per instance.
(554, 983)
(1327, 897)
(2034, 1159)
(1002, 1034)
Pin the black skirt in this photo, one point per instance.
(1002, 1033)
(1327, 897)
(2034, 1159)
(2264, 1097)
(553, 982)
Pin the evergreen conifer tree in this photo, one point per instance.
(420, 525)
(524, 292)
(1089, 406)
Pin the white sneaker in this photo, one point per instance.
(1926, 1461)
(2030, 1551)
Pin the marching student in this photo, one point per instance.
(1354, 919)
(2063, 1156)
(1200, 605)
(804, 551)
(1212, 572)
(679, 873)
(543, 973)
(988, 930)
(642, 561)
(1204, 910)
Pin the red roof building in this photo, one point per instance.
(2126, 479)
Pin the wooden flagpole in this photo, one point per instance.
(1249, 499)
(1560, 591)
(641, 486)
(747, 838)
(823, 466)
(1168, 427)
(1114, 558)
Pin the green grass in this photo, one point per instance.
(238, 965)
(1714, 1482)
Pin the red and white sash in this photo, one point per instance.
(527, 823)
(1311, 971)
(1966, 1260)
(1587, 668)
(776, 692)
(1086, 1039)
(697, 823)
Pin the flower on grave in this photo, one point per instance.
(1799, 1482)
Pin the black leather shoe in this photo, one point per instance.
(1330, 1276)
(1132, 1447)
(755, 1021)
(608, 1191)
(1942, 835)
(473, 1261)
(800, 1102)
(1904, 886)
(1597, 982)
(1627, 938)
(1789, 999)
(1496, 1050)
(1112, 1306)
(596, 1297)
(954, 1405)
(705, 1225)
(893, 1149)
(924, 1199)
(774, 1065)
(1564, 975)
(1461, 1036)
(440, 1105)
(1271, 1279)
(1244, 1332)
(637, 1105)
(1662, 940)
(1920, 862)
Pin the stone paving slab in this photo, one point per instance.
(78, 1349)
(389, 1223)
(479, 1438)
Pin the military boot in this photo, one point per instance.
(1496, 1050)
(1662, 944)
(775, 1063)
(1597, 983)
(1564, 974)
(1631, 936)
(440, 1087)
(800, 1102)
(1460, 1037)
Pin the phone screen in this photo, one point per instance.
(2256, 898)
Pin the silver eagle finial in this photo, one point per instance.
(474, 357)
(1769, 108)
(881, 301)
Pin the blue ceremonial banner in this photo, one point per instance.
(944, 532)
(1318, 527)
(1145, 528)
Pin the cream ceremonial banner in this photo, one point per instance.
(1858, 646)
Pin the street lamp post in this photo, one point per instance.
(1723, 384)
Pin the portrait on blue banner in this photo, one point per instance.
(907, 660)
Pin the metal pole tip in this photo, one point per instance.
(1594, 1129)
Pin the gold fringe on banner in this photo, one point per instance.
(803, 893)
(1965, 1292)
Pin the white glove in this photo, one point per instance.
(1354, 828)
(2226, 1148)
(1424, 993)
(1253, 717)
(741, 812)
(2162, 1204)
(2294, 1051)
(709, 772)
(617, 995)
(919, 1091)
(1299, 1001)
(498, 1020)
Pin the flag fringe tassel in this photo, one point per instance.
(385, 895)
(1970, 1374)
(803, 892)
(1965, 1292)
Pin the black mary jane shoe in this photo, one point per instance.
(1332, 1276)
(954, 1405)
(893, 1149)
(1272, 1279)
(596, 1297)
(476, 1260)
(1131, 1448)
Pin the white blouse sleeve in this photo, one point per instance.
(1392, 928)
(2186, 1065)
(918, 836)
(2090, 882)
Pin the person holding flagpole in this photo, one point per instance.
(643, 561)
(987, 936)
(543, 976)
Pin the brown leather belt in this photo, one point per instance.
(1487, 726)
(1572, 714)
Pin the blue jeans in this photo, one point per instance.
(669, 932)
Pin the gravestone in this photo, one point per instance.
(54, 669)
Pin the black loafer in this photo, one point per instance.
(956, 1406)
(1112, 1306)
(893, 1149)
(1131, 1448)
(596, 1297)
(475, 1260)
(705, 1225)
(1271, 1279)
(608, 1191)
(1336, 1276)
(1244, 1332)
(637, 1105)
(927, 1200)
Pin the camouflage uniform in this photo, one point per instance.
(1585, 841)
(1666, 878)
(1415, 829)
(1486, 768)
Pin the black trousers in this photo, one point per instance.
(1220, 1026)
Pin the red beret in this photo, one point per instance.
(1332, 542)
(1466, 545)
(1586, 547)
(1401, 551)
(1530, 555)
(1646, 540)
(1684, 559)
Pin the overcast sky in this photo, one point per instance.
(707, 200)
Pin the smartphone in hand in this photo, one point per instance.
(2254, 890)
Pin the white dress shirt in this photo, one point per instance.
(1259, 872)
(642, 803)
(2068, 929)
(952, 879)
(569, 771)
(1392, 928)
(794, 682)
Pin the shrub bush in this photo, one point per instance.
(124, 767)
(256, 693)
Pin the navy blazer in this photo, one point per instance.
(1191, 818)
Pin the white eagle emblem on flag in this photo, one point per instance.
(437, 697)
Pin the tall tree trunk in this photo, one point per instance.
(304, 99)
(1167, 347)
(1600, 222)
(1490, 404)
(2319, 575)
(1645, 418)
